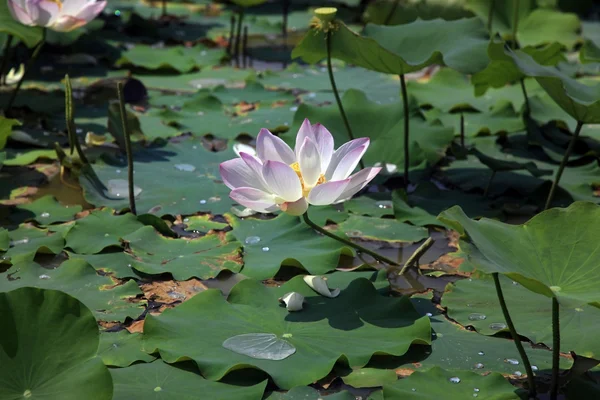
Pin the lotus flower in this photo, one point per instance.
(61, 16)
(279, 178)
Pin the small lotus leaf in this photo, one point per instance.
(121, 349)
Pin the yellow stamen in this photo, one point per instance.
(57, 2)
(306, 190)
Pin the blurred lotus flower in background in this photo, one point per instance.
(14, 76)
(61, 16)
(279, 178)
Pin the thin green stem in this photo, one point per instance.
(231, 35)
(563, 164)
(406, 128)
(335, 90)
(489, 184)
(555, 349)
(245, 47)
(462, 130)
(238, 38)
(347, 242)
(515, 336)
(28, 67)
(527, 106)
(164, 8)
(416, 256)
(70, 120)
(127, 148)
(491, 17)
(515, 42)
(388, 19)
(5, 59)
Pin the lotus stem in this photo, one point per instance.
(164, 8)
(335, 90)
(28, 67)
(5, 58)
(388, 19)
(416, 256)
(515, 337)
(70, 121)
(231, 36)
(245, 47)
(284, 28)
(347, 242)
(406, 129)
(563, 164)
(527, 111)
(515, 24)
(491, 17)
(238, 38)
(489, 184)
(462, 130)
(127, 148)
(555, 349)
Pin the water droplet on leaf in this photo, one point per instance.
(252, 240)
(511, 361)
(477, 317)
(384, 204)
(185, 167)
(265, 248)
(454, 379)
(44, 276)
(45, 215)
(479, 365)
(497, 326)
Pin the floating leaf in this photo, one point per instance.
(162, 381)
(121, 349)
(179, 58)
(534, 255)
(370, 377)
(356, 324)
(261, 346)
(49, 342)
(27, 241)
(308, 393)
(385, 229)
(46, 210)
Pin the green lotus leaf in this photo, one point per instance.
(203, 223)
(308, 393)
(116, 263)
(474, 302)
(356, 324)
(498, 165)
(378, 12)
(204, 257)
(122, 349)
(248, 3)
(370, 377)
(179, 58)
(373, 204)
(78, 279)
(6, 125)
(48, 345)
(285, 240)
(189, 180)
(100, 229)
(384, 124)
(535, 25)
(402, 49)
(27, 241)
(534, 255)
(320, 215)
(415, 215)
(161, 381)
(46, 210)
(388, 230)
(262, 346)
(30, 35)
(439, 383)
(580, 101)
(502, 70)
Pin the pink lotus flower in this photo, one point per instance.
(279, 178)
(61, 16)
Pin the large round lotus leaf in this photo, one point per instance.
(30, 35)
(454, 347)
(502, 70)
(384, 124)
(438, 383)
(203, 258)
(122, 348)
(162, 381)
(45, 210)
(179, 58)
(284, 240)
(178, 178)
(580, 101)
(48, 345)
(78, 279)
(118, 264)
(552, 253)
(28, 240)
(388, 230)
(535, 25)
(404, 12)
(100, 229)
(308, 393)
(354, 325)
(402, 49)
(474, 302)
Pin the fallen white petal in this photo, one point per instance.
(293, 301)
(319, 285)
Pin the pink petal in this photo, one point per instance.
(357, 182)
(282, 180)
(236, 173)
(255, 199)
(271, 148)
(44, 12)
(67, 23)
(348, 164)
(324, 141)
(310, 162)
(327, 193)
(305, 131)
(18, 10)
(298, 207)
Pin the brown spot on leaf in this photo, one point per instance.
(172, 291)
